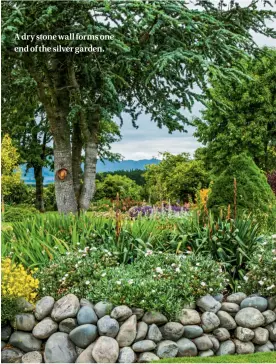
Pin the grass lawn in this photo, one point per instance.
(249, 358)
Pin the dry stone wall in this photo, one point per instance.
(73, 331)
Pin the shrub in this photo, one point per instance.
(261, 277)
(253, 191)
(9, 308)
(20, 193)
(271, 179)
(13, 214)
(50, 197)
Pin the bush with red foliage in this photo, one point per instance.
(271, 179)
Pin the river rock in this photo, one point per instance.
(244, 347)
(249, 317)
(11, 355)
(24, 322)
(271, 303)
(60, 349)
(203, 343)
(139, 312)
(86, 355)
(143, 346)
(24, 306)
(272, 331)
(127, 355)
(206, 353)
(208, 303)
(108, 326)
(167, 349)
(173, 331)
(121, 313)
(84, 302)
(186, 348)
(222, 334)
(45, 328)
(67, 325)
(244, 334)
(269, 317)
(44, 307)
(218, 297)
(156, 318)
(192, 331)
(127, 332)
(237, 297)
(147, 358)
(154, 333)
(103, 308)
(226, 320)
(106, 350)
(215, 342)
(264, 348)
(210, 321)
(32, 357)
(189, 317)
(261, 336)
(25, 341)
(226, 347)
(142, 329)
(66, 307)
(260, 303)
(86, 315)
(84, 335)
(3, 344)
(231, 308)
(6, 332)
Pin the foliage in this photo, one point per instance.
(262, 266)
(18, 213)
(271, 179)
(112, 185)
(135, 174)
(113, 205)
(20, 193)
(9, 308)
(17, 282)
(153, 282)
(237, 109)
(50, 198)
(175, 178)
(253, 192)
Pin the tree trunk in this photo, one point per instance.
(39, 202)
(76, 159)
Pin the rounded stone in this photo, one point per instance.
(186, 348)
(210, 321)
(86, 315)
(24, 306)
(272, 331)
(244, 334)
(24, 322)
(142, 329)
(244, 347)
(189, 317)
(222, 334)
(154, 333)
(167, 349)
(121, 313)
(192, 331)
(60, 349)
(261, 336)
(260, 303)
(84, 335)
(106, 350)
(271, 303)
(139, 312)
(44, 307)
(156, 318)
(6, 332)
(237, 297)
(147, 357)
(208, 303)
(127, 355)
(32, 357)
(67, 325)
(86, 355)
(45, 328)
(226, 348)
(25, 341)
(128, 331)
(266, 348)
(218, 297)
(173, 331)
(226, 320)
(215, 342)
(103, 308)
(203, 343)
(108, 326)
(3, 344)
(143, 346)
(84, 302)
(231, 308)
(66, 307)
(269, 316)
(206, 353)
(249, 317)
(11, 355)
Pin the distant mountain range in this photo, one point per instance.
(107, 166)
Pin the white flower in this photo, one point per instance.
(211, 289)
(78, 243)
(245, 278)
(80, 251)
(239, 286)
(177, 270)
(87, 282)
(260, 283)
(83, 255)
(269, 288)
(153, 291)
(148, 252)
(188, 252)
(104, 274)
(93, 248)
(203, 284)
(76, 265)
(159, 270)
(198, 264)
(66, 275)
(43, 289)
(273, 236)
(118, 282)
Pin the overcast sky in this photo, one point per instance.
(147, 141)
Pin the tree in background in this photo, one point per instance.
(175, 178)
(137, 175)
(240, 116)
(9, 165)
(158, 51)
